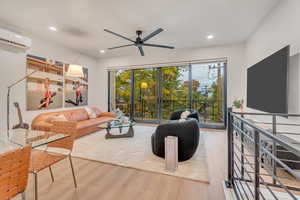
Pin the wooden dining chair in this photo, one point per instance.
(14, 166)
(42, 159)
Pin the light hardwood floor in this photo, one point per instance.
(107, 182)
(216, 149)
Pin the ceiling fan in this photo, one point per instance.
(139, 42)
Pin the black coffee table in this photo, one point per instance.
(120, 126)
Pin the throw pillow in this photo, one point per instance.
(91, 113)
(97, 111)
(185, 114)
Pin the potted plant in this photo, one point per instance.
(238, 104)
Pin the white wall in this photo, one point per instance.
(13, 67)
(280, 28)
(233, 53)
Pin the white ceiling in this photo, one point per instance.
(80, 23)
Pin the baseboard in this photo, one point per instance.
(229, 193)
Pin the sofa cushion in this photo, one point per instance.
(76, 115)
(42, 126)
(93, 122)
(108, 114)
(56, 117)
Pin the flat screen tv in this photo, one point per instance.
(267, 83)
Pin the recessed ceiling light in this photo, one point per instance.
(52, 28)
(102, 51)
(209, 37)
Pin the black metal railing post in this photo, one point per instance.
(242, 150)
(274, 148)
(257, 165)
(229, 182)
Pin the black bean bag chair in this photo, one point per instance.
(188, 138)
(177, 114)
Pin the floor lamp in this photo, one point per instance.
(8, 97)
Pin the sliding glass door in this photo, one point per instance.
(208, 92)
(120, 91)
(152, 94)
(145, 94)
(174, 90)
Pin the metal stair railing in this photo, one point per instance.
(262, 163)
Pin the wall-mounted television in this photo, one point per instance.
(267, 83)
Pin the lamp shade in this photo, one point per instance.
(75, 71)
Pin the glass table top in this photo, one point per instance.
(21, 137)
(118, 124)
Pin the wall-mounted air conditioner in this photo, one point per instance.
(13, 41)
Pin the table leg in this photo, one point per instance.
(130, 133)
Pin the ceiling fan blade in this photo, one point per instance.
(157, 45)
(154, 33)
(121, 36)
(128, 45)
(141, 50)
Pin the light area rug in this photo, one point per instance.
(136, 153)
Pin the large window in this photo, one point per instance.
(174, 89)
(120, 90)
(208, 92)
(152, 94)
(145, 94)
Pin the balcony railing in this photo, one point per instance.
(262, 162)
(210, 111)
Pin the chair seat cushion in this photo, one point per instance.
(43, 159)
